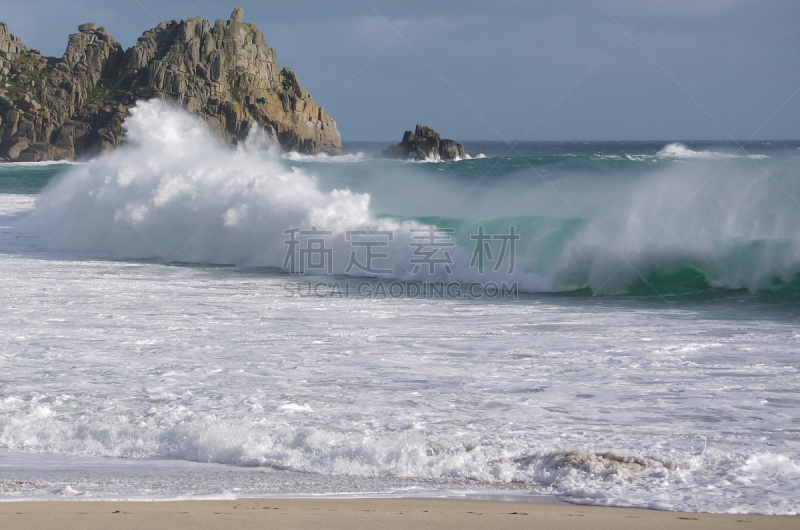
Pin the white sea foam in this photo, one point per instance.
(434, 158)
(678, 150)
(44, 163)
(140, 361)
(324, 157)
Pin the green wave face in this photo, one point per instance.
(547, 247)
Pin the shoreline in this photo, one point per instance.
(359, 512)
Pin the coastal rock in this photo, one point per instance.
(424, 144)
(74, 106)
(17, 148)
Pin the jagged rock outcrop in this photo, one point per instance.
(73, 107)
(425, 144)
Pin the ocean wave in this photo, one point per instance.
(669, 481)
(679, 150)
(639, 158)
(45, 163)
(434, 159)
(173, 193)
(324, 158)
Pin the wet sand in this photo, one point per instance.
(360, 513)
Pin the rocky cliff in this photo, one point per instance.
(425, 144)
(73, 106)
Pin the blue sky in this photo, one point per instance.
(507, 69)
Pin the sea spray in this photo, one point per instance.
(679, 150)
(174, 193)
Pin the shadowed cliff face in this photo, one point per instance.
(73, 107)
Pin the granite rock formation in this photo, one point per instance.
(425, 144)
(73, 107)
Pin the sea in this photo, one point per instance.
(600, 323)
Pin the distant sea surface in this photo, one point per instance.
(156, 344)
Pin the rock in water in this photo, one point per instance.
(73, 107)
(425, 144)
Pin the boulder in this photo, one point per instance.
(16, 148)
(450, 150)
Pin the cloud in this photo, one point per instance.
(480, 70)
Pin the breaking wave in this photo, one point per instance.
(648, 480)
(324, 157)
(174, 193)
(679, 150)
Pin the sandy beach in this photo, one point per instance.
(360, 513)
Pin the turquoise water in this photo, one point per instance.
(28, 179)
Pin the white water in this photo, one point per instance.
(323, 157)
(187, 371)
(678, 150)
(140, 361)
(174, 194)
